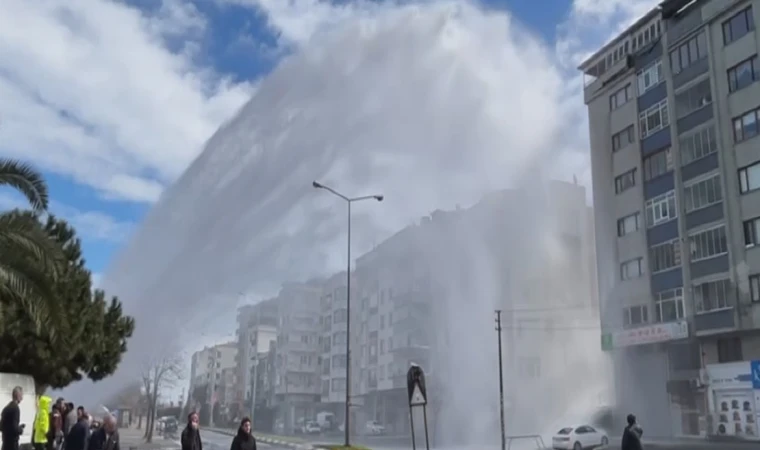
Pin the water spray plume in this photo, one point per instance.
(434, 105)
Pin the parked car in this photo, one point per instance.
(579, 438)
(373, 427)
(312, 427)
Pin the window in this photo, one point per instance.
(688, 53)
(650, 77)
(654, 119)
(745, 126)
(665, 256)
(738, 25)
(622, 139)
(625, 181)
(743, 74)
(339, 338)
(749, 178)
(628, 224)
(338, 385)
(658, 164)
(708, 243)
(620, 97)
(694, 98)
(700, 194)
(661, 209)
(635, 315)
(730, 350)
(668, 305)
(698, 145)
(754, 288)
(712, 295)
(631, 269)
(752, 232)
(339, 361)
(339, 316)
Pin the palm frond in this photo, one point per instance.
(18, 290)
(20, 234)
(28, 181)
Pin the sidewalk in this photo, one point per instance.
(132, 439)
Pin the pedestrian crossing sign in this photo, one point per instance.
(417, 398)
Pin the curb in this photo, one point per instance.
(266, 440)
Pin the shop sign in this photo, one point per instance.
(650, 334)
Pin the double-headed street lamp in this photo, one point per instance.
(348, 200)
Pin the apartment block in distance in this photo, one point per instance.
(297, 373)
(256, 333)
(674, 106)
(333, 347)
(207, 384)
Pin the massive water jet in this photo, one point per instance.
(432, 105)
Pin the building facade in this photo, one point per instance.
(297, 377)
(207, 367)
(673, 108)
(256, 332)
(332, 342)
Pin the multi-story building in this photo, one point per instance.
(673, 109)
(332, 343)
(256, 331)
(206, 369)
(297, 382)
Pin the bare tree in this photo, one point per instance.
(163, 373)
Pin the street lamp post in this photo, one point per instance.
(254, 382)
(349, 201)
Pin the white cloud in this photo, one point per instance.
(90, 225)
(91, 92)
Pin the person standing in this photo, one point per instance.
(244, 439)
(70, 419)
(191, 435)
(631, 435)
(41, 423)
(55, 435)
(11, 427)
(79, 434)
(106, 437)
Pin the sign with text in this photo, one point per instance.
(650, 334)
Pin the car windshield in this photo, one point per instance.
(565, 430)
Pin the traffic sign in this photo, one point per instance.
(415, 386)
(755, 371)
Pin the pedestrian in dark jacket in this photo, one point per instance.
(244, 439)
(106, 437)
(78, 435)
(10, 427)
(191, 435)
(631, 435)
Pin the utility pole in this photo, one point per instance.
(501, 382)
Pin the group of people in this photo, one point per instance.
(191, 435)
(56, 427)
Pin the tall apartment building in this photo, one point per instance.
(332, 343)
(391, 328)
(673, 108)
(256, 333)
(206, 369)
(297, 379)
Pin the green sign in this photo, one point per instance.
(607, 342)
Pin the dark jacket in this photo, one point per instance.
(243, 441)
(631, 438)
(191, 439)
(10, 426)
(69, 420)
(101, 441)
(78, 436)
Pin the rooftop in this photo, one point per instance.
(591, 60)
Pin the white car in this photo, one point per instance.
(373, 427)
(579, 438)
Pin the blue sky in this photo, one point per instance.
(112, 100)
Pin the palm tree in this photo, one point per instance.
(29, 260)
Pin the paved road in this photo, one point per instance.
(219, 441)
